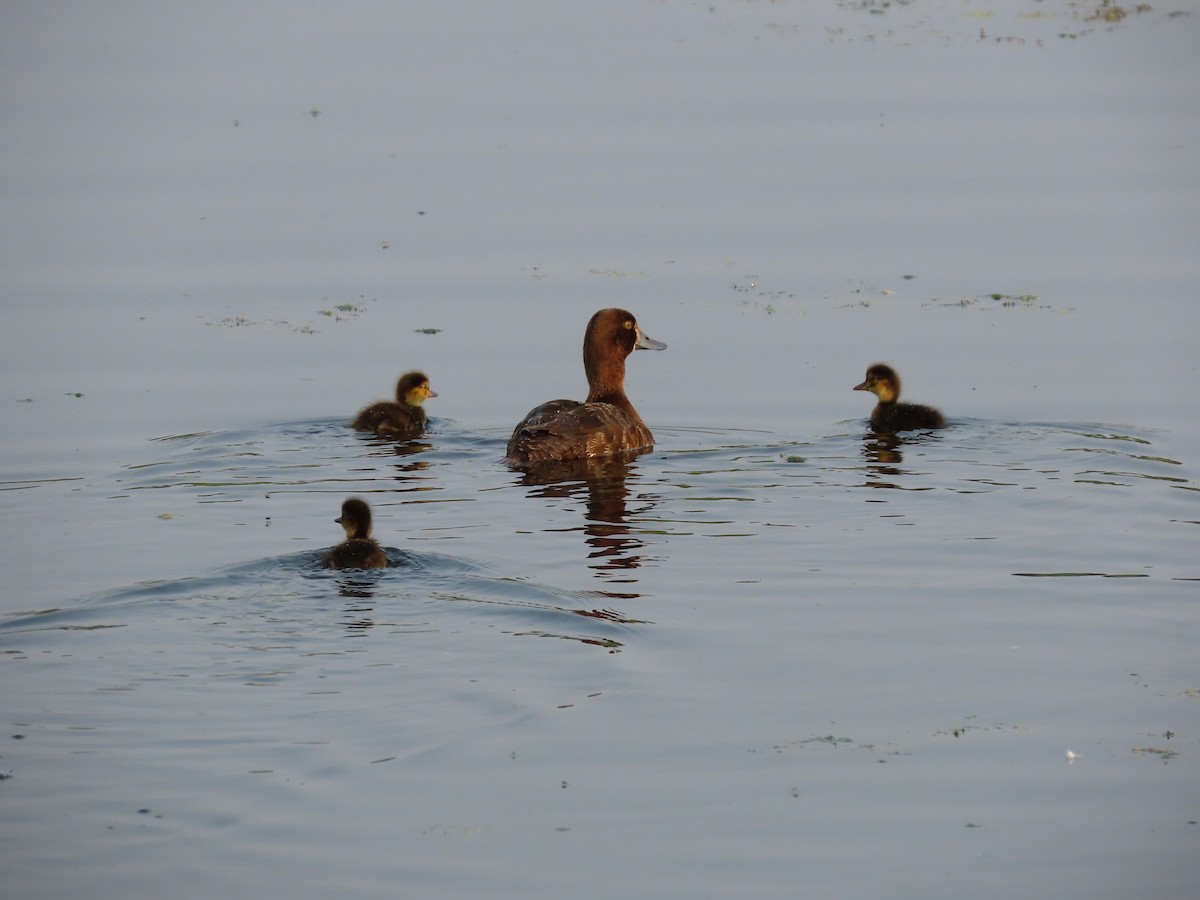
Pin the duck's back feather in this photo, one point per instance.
(888, 418)
(357, 553)
(389, 419)
(568, 429)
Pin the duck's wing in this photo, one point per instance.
(391, 420)
(567, 419)
(555, 429)
(894, 417)
(568, 430)
(401, 423)
(356, 554)
(369, 417)
(546, 414)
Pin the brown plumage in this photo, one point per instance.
(606, 422)
(888, 417)
(403, 419)
(359, 550)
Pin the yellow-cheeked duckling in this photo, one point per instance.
(606, 422)
(405, 418)
(888, 417)
(359, 550)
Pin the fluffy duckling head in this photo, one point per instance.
(355, 519)
(413, 389)
(882, 381)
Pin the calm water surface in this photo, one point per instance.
(774, 657)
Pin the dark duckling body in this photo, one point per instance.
(359, 550)
(889, 416)
(405, 418)
(605, 423)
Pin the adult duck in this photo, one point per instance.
(605, 424)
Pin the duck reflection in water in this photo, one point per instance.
(885, 462)
(409, 448)
(883, 456)
(615, 547)
(357, 616)
(355, 587)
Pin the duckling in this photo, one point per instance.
(403, 419)
(888, 417)
(606, 422)
(359, 550)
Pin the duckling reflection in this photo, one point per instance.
(359, 550)
(403, 419)
(357, 618)
(614, 546)
(890, 416)
(410, 448)
(883, 456)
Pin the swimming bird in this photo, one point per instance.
(359, 550)
(403, 419)
(888, 417)
(605, 423)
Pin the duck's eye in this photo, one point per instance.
(628, 324)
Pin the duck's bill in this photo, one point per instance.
(645, 342)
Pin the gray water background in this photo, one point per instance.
(773, 657)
